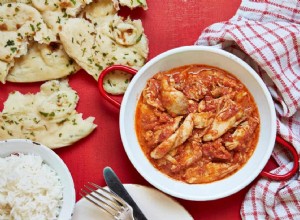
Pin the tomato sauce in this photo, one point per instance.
(197, 123)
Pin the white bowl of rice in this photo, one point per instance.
(35, 183)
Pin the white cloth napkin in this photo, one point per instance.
(266, 34)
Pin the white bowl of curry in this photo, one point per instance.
(197, 122)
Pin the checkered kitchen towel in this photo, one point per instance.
(266, 34)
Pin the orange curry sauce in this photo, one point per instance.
(197, 123)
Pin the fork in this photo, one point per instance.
(107, 201)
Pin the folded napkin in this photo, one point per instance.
(266, 34)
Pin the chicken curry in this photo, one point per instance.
(197, 123)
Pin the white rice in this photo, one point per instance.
(29, 189)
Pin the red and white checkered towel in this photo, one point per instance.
(266, 34)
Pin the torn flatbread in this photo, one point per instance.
(134, 3)
(117, 82)
(70, 7)
(55, 20)
(41, 63)
(4, 68)
(78, 37)
(115, 41)
(19, 25)
(99, 11)
(48, 117)
(26, 21)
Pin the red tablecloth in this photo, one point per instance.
(168, 24)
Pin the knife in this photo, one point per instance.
(115, 185)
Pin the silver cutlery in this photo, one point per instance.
(115, 185)
(107, 201)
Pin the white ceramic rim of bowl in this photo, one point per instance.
(54, 161)
(195, 192)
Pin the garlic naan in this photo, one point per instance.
(48, 117)
(71, 7)
(19, 24)
(110, 38)
(134, 3)
(41, 63)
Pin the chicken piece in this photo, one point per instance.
(162, 132)
(214, 105)
(194, 88)
(225, 119)
(173, 100)
(221, 79)
(220, 91)
(202, 119)
(209, 173)
(215, 151)
(175, 140)
(191, 153)
(151, 94)
(242, 134)
(197, 134)
(185, 156)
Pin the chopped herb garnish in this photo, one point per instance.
(141, 3)
(13, 49)
(38, 26)
(45, 114)
(58, 20)
(139, 38)
(83, 51)
(32, 27)
(108, 81)
(99, 66)
(9, 43)
(90, 60)
(47, 38)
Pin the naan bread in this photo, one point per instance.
(26, 21)
(19, 24)
(71, 7)
(48, 117)
(55, 20)
(117, 82)
(28, 2)
(78, 37)
(111, 39)
(100, 11)
(41, 63)
(55, 13)
(4, 68)
(122, 42)
(134, 3)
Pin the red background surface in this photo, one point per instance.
(168, 24)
